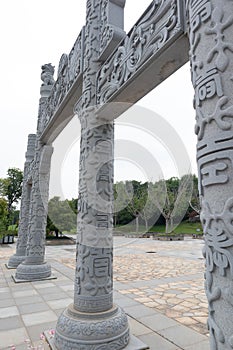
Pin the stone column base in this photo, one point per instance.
(134, 343)
(32, 272)
(15, 261)
(92, 331)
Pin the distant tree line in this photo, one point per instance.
(166, 202)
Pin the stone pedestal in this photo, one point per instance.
(21, 246)
(77, 330)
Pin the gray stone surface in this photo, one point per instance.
(157, 322)
(79, 330)
(211, 65)
(20, 254)
(205, 345)
(29, 308)
(33, 307)
(93, 310)
(155, 342)
(181, 336)
(134, 343)
(35, 318)
(35, 197)
(13, 336)
(12, 322)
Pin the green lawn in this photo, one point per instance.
(184, 228)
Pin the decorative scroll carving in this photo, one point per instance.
(39, 199)
(217, 116)
(70, 68)
(218, 28)
(109, 331)
(103, 327)
(152, 33)
(218, 228)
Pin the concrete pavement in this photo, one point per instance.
(159, 285)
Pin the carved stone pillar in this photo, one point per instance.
(20, 254)
(34, 266)
(93, 322)
(211, 51)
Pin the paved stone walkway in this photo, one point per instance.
(174, 271)
(159, 285)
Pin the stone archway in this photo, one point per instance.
(106, 65)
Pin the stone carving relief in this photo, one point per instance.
(199, 13)
(69, 70)
(208, 85)
(217, 28)
(39, 198)
(95, 189)
(47, 74)
(94, 266)
(218, 237)
(218, 228)
(20, 255)
(147, 38)
(93, 279)
(215, 169)
(109, 331)
(210, 23)
(101, 328)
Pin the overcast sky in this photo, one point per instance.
(38, 32)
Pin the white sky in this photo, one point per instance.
(38, 32)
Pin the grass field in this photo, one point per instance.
(185, 227)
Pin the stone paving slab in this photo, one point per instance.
(158, 307)
(182, 336)
(156, 342)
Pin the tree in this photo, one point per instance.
(178, 195)
(3, 214)
(195, 200)
(151, 210)
(11, 189)
(121, 200)
(61, 217)
(137, 194)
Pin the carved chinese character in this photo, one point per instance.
(208, 86)
(215, 169)
(200, 13)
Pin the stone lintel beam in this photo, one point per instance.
(156, 46)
